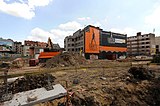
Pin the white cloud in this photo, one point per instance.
(21, 9)
(118, 16)
(154, 18)
(35, 3)
(57, 35)
(70, 26)
(84, 18)
(97, 24)
(127, 30)
(38, 34)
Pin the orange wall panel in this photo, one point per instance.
(116, 49)
(92, 40)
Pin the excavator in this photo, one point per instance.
(48, 52)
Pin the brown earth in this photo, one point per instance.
(64, 60)
(106, 83)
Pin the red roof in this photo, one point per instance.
(48, 54)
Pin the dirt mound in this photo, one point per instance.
(30, 82)
(87, 101)
(65, 59)
(156, 59)
(141, 73)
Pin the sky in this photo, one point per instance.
(39, 19)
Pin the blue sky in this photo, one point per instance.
(39, 19)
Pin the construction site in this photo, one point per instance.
(69, 79)
(98, 74)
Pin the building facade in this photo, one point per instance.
(74, 43)
(10, 49)
(35, 43)
(157, 41)
(93, 42)
(17, 47)
(6, 44)
(26, 50)
(141, 44)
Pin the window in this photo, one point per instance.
(157, 46)
(147, 42)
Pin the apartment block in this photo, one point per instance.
(35, 43)
(74, 43)
(141, 44)
(157, 41)
(17, 47)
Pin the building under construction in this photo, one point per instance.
(93, 42)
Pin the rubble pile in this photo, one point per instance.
(156, 59)
(30, 82)
(141, 73)
(65, 59)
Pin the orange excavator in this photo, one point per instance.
(48, 52)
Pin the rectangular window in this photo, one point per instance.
(157, 46)
(147, 42)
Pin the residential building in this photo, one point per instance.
(142, 44)
(34, 48)
(93, 42)
(157, 41)
(35, 43)
(26, 50)
(17, 47)
(74, 43)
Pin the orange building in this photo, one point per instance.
(96, 43)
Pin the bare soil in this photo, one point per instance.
(102, 83)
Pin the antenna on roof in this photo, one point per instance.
(153, 30)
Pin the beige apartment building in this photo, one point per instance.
(157, 41)
(142, 44)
